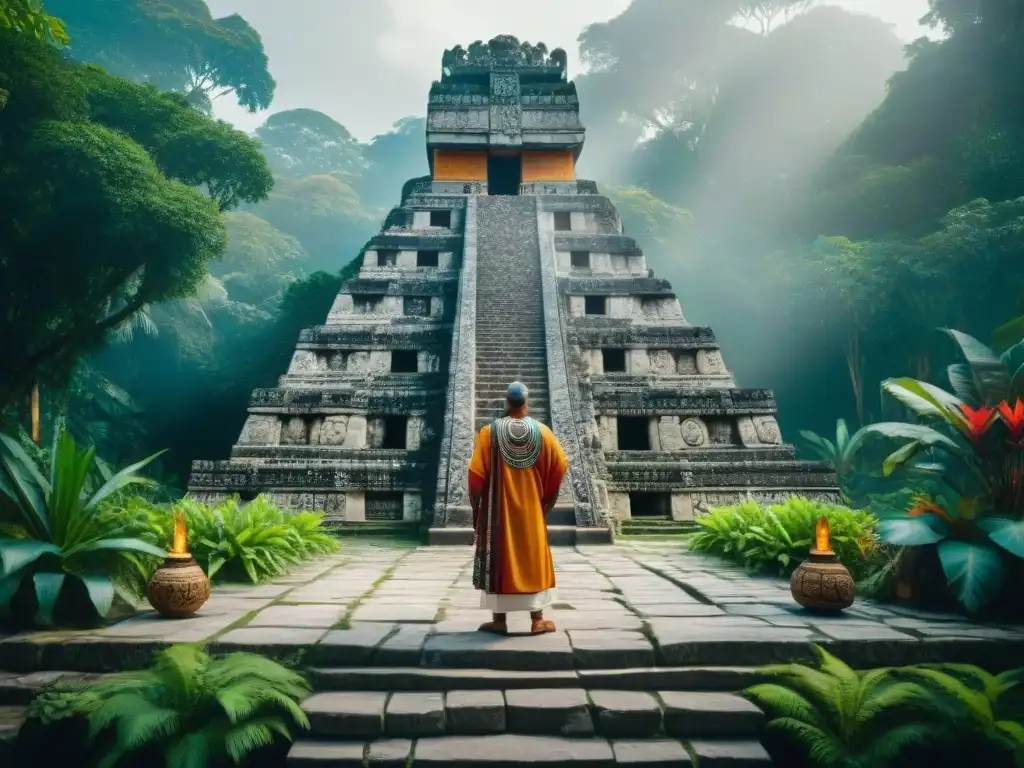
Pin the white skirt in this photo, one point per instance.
(515, 603)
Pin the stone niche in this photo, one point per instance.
(647, 503)
(401, 433)
(571, 221)
(341, 361)
(598, 264)
(641, 308)
(395, 259)
(655, 362)
(449, 218)
(340, 431)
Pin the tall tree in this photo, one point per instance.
(94, 227)
(174, 44)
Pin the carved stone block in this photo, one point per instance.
(668, 434)
(661, 362)
(355, 435)
(618, 505)
(261, 430)
(767, 430)
(682, 507)
(709, 361)
(304, 361)
(694, 433)
(294, 431)
(333, 430)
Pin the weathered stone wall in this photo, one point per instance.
(452, 506)
(571, 420)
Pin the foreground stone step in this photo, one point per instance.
(428, 679)
(543, 711)
(505, 750)
(11, 718)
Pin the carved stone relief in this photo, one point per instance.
(662, 362)
(304, 361)
(294, 431)
(333, 430)
(709, 361)
(767, 430)
(694, 433)
(374, 433)
(261, 430)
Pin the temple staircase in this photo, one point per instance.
(510, 341)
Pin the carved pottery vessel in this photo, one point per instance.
(179, 587)
(822, 584)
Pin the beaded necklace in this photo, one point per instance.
(519, 441)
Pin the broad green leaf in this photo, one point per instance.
(101, 592)
(913, 531)
(842, 436)
(123, 478)
(48, 587)
(961, 381)
(117, 545)
(8, 588)
(16, 554)
(925, 399)
(975, 572)
(900, 457)
(926, 436)
(1008, 334)
(26, 488)
(1007, 533)
(990, 374)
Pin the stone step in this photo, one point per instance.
(506, 750)
(532, 712)
(11, 718)
(442, 679)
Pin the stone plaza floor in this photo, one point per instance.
(632, 605)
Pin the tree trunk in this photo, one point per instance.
(36, 437)
(855, 366)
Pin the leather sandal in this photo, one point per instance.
(541, 626)
(494, 627)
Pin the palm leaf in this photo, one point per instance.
(990, 374)
(16, 554)
(125, 477)
(47, 589)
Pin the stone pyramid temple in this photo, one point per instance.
(502, 265)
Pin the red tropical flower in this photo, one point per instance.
(978, 419)
(1014, 417)
(924, 505)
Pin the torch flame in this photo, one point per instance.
(180, 545)
(822, 542)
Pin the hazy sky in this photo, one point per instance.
(368, 63)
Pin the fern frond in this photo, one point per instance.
(778, 701)
(890, 743)
(974, 704)
(884, 699)
(823, 747)
(244, 739)
(143, 729)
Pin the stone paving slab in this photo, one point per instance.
(633, 605)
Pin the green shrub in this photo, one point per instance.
(842, 718)
(187, 710)
(232, 542)
(779, 537)
(63, 555)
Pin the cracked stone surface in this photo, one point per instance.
(633, 605)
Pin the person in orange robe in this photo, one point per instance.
(514, 476)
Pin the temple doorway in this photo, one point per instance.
(504, 174)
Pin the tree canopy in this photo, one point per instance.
(303, 142)
(101, 214)
(174, 44)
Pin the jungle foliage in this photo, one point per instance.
(828, 715)
(188, 709)
(778, 538)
